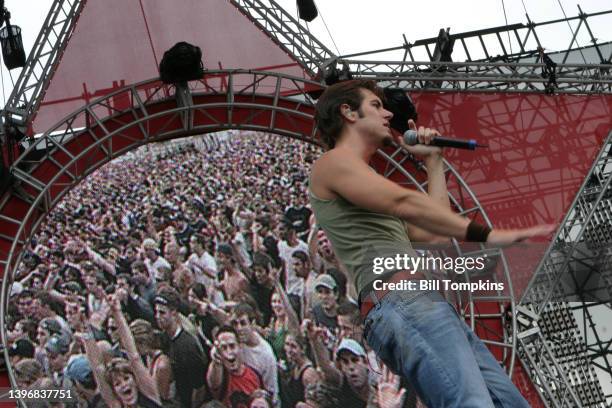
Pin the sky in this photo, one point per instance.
(350, 26)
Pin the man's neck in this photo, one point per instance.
(355, 145)
(174, 330)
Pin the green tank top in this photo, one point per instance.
(359, 236)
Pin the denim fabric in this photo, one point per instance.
(420, 336)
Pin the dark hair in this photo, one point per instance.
(245, 309)
(327, 112)
(168, 296)
(226, 329)
(200, 290)
(29, 327)
(262, 260)
(301, 255)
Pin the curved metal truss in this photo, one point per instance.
(150, 111)
(572, 283)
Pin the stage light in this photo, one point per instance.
(307, 10)
(10, 38)
(402, 107)
(444, 47)
(333, 75)
(181, 63)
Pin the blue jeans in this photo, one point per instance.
(420, 336)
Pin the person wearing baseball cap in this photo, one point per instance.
(80, 373)
(350, 372)
(326, 311)
(156, 264)
(352, 362)
(57, 348)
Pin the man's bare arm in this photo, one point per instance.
(436, 189)
(340, 174)
(345, 175)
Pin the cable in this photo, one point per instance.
(328, 32)
(507, 32)
(3, 95)
(524, 8)
(11, 76)
(572, 31)
(148, 32)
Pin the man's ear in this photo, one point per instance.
(347, 112)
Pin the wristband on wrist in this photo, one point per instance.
(477, 232)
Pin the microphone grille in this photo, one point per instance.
(410, 137)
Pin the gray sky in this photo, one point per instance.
(360, 25)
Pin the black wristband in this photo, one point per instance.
(477, 232)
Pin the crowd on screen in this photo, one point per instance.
(193, 278)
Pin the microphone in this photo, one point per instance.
(411, 139)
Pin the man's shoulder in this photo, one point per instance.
(335, 163)
(332, 158)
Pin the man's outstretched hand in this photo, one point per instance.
(501, 236)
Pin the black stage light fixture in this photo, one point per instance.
(307, 10)
(181, 63)
(10, 39)
(333, 75)
(330, 74)
(444, 46)
(402, 107)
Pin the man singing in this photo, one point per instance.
(416, 333)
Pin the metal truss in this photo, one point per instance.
(292, 36)
(508, 43)
(486, 76)
(48, 47)
(490, 64)
(575, 269)
(225, 99)
(551, 348)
